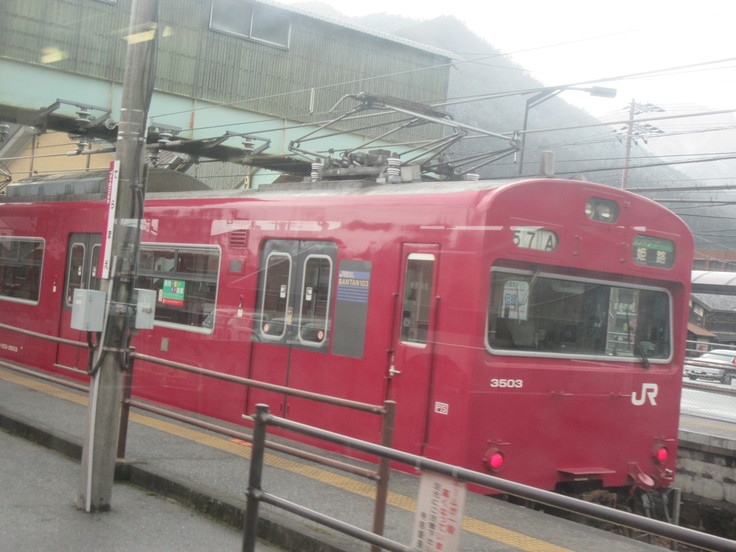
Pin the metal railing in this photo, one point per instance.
(387, 411)
(45, 337)
(256, 494)
(47, 377)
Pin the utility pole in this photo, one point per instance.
(629, 137)
(636, 130)
(111, 358)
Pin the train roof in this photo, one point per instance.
(167, 184)
(91, 186)
(343, 188)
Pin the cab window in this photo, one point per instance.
(549, 314)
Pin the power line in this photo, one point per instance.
(641, 120)
(449, 101)
(685, 188)
(666, 164)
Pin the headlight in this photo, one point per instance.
(602, 210)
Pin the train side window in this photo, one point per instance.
(417, 300)
(203, 262)
(21, 260)
(315, 299)
(275, 313)
(185, 280)
(75, 278)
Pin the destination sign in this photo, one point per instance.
(654, 252)
(534, 237)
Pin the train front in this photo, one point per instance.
(587, 291)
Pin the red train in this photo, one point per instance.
(531, 329)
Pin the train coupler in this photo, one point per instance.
(641, 480)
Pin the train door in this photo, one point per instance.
(410, 367)
(291, 319)
(83, 254)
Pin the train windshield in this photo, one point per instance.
(550, 315)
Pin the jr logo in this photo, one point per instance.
(648, 391)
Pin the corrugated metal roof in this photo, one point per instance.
(358, 28)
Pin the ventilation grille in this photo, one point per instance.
(239, 239)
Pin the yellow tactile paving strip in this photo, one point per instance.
(711, 425)
(470, 524)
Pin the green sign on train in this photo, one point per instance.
(173, 292)
(655, 252)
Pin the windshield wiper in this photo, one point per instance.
(639, 350)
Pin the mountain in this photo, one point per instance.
(711, 136)
(589, 150)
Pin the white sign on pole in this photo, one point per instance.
(439, 518)
(113, 177)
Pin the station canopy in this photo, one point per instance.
(708, 281)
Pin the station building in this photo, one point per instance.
(239, 80)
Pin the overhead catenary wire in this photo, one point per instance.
(495, 95)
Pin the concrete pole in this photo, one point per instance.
(629, 138)
(100, 443)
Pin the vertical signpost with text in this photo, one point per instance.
(113, 179)
(439, 516)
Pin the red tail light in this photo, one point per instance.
(662, 454)
(494, 460)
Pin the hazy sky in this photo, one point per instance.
(570, 41)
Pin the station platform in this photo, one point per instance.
(37, 511)
(209, 472)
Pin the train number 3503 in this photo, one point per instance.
(507, 383)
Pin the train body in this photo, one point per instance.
(534, 330)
